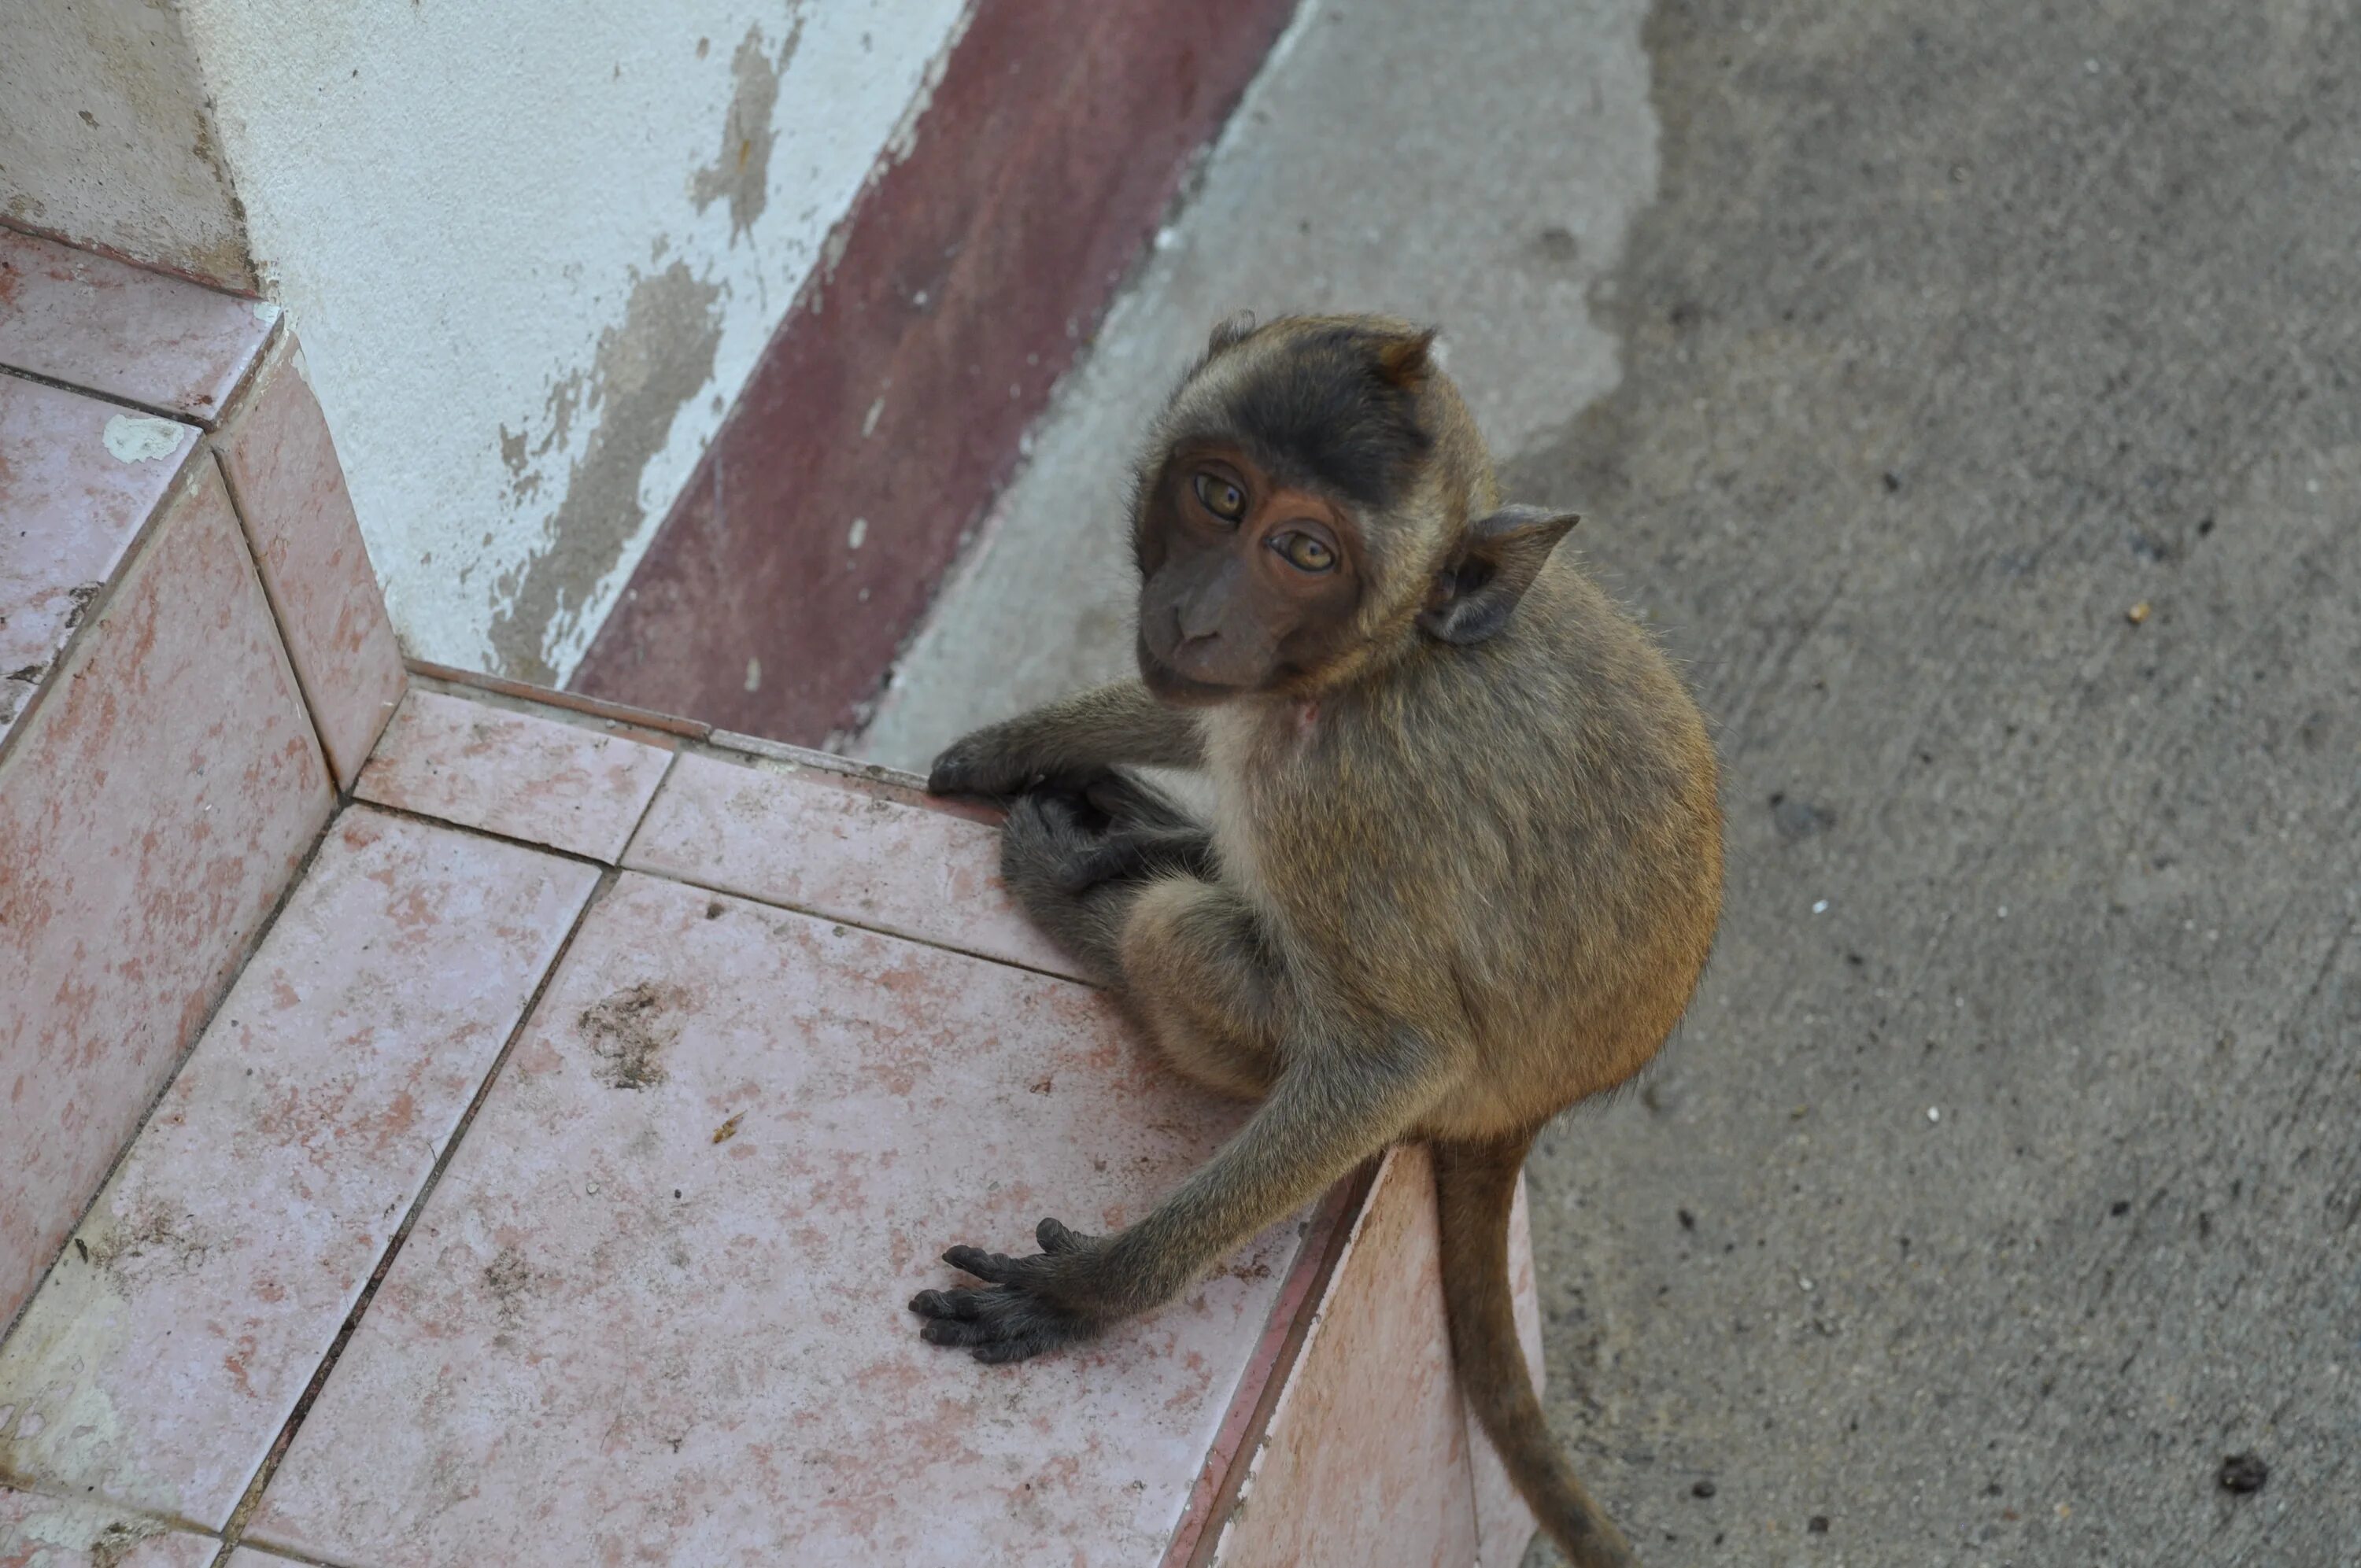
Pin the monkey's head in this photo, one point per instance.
(1313, 504)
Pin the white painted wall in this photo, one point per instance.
(533, 248)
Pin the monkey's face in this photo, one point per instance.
(1249, 584)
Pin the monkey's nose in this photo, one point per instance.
(1194, 648)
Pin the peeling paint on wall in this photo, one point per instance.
(646, 370)
(742, 172)
(533, 252)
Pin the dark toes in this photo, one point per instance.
(990, 1266)
(1023, 1347)
(1009, 1317)
(1090, 870)
(1032, 818)
(957, 1333)
(1127, 802)
(1054, 1237)
(964, 1305)
(1061, 809)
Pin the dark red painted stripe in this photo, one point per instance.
(970, 274)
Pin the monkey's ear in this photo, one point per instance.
(1231, 330)
(1475, 596)
(1405, 361)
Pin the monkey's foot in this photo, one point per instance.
(1012, 1318)
(1047, 844)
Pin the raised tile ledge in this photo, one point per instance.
(525, 697)
(83, 482)
(125, 333)
(172, 711)
(280, 460)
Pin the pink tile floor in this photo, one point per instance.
(515, 1128)
(646, 1167)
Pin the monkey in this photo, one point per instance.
(1463, 867)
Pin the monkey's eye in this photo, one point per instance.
(1304, 553)
(1221, 498)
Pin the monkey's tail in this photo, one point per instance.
(1474, 1184)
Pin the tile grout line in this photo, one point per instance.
(244, 395)
(640, 823)
(473, 831)
(478, 685)
(177, 488)
(806, 911)
(203, 426)
(312, 703)
(161, 268)
(809, 912)
(92, 1498)
(233, 1534)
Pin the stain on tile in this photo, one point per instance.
(614, 1336)
(166, 1349)
(38, 1531)
(839, 846)
(90, 322)
(628, 1030)
(290, 495)
(1365, 1459)
(152, 810)
(69, 509)
(570, 787)
(1504, 1525)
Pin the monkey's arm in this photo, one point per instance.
(1072, 739)
(1334, 1106)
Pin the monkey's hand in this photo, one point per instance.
(1027, 1305)
(994, 761)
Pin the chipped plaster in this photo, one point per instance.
(741, 170)
(534, 253)
(646, 371)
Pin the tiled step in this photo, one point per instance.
(125, 333)
(239, 1230)
(193, 654)
(547, 1185)
(654, 1299)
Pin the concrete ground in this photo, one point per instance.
(2004, 1180)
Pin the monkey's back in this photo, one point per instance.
(1513, 847)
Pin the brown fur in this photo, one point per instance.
(1461, 875)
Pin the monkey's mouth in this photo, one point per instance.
(1169, 685)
